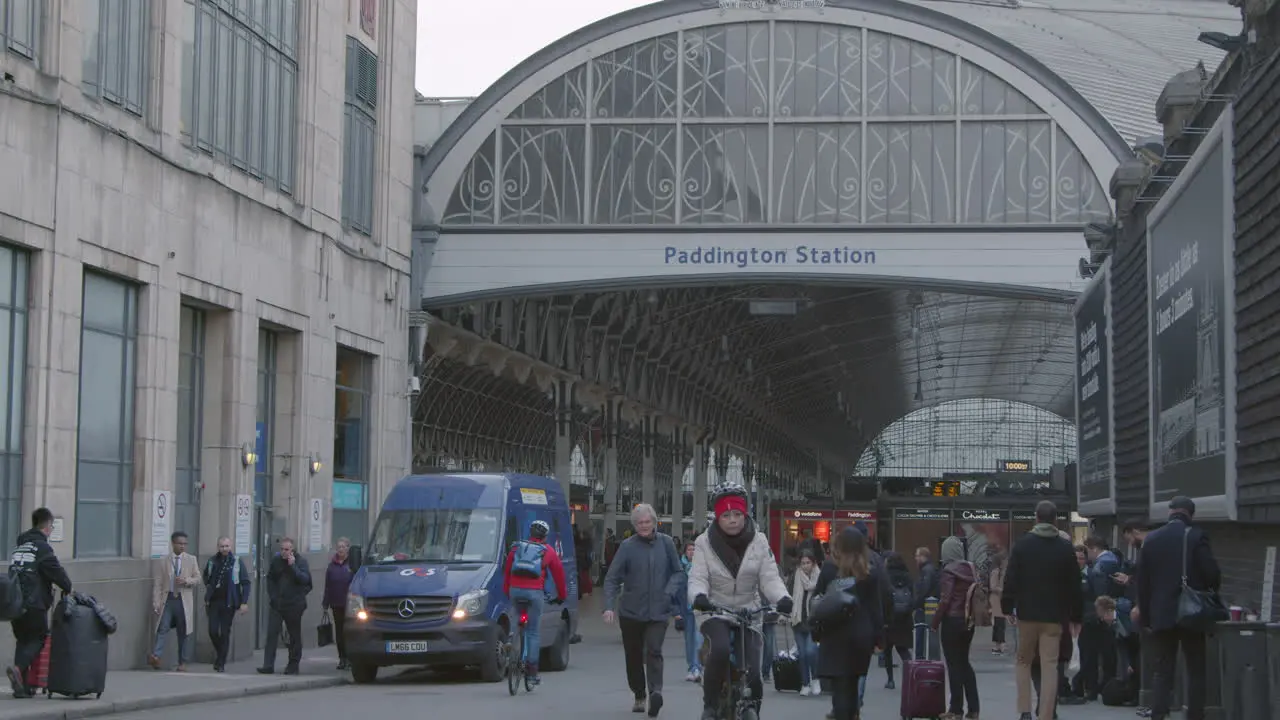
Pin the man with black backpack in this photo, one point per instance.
(36, 569)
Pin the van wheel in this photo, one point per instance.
(556, 657)
(494, 665)
(363, 673)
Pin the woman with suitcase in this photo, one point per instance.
(898, 626)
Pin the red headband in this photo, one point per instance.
(731, 502)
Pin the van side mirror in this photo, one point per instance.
(355, 557)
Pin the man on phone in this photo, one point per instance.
(288, 584)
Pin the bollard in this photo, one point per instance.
(1214, 681)
(1242, 671)
(1273, 666)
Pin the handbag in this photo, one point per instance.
(1198, 610)
(324, 631)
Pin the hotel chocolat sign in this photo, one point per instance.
(983, 516)
(1188, 284)
(1094, 443)
(922, 514)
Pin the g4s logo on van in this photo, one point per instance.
(418, 572)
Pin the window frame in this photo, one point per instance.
(29, 49)
(128, 89)
(359, 137)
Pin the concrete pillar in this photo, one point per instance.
(564, 435)
(701, 456)
(749, 471)
(679, 460)
(722, 464)
(648, 482)
(609, 508)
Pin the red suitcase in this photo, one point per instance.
(924, 685)
(38, 674)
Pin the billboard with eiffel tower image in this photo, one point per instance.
(1191, 314)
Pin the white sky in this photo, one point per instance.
(464, 46)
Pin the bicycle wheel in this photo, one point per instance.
(515, 662)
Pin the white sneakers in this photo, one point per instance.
(813, 689)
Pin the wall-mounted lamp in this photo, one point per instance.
(315, 464)
(248, 456)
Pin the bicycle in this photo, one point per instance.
(517, 665)
(737, 702)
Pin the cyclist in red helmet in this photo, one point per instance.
(524, 578)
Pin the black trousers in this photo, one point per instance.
(340, 622)
(844, 698)
(291, 618)
(1164, 651)
(904, 653)
(963, 681)
(1097, 656)
(642, 650)
(221, 618)
(29, 631)
(715, 671)
(997, 630)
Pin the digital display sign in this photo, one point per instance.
(1013, 466)
(945, 488)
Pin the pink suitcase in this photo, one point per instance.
(924, 687)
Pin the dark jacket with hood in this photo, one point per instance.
(845, 648)
(898, 626)
(1042, 580)
(35, 557)
(957, 577)
(288, 585)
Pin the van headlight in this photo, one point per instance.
(470, 603)
(356, 608)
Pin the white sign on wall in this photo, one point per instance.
(244, 524)
(317, 525)
(56, 534)
(161, 522)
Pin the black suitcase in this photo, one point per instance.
(78, 652)
(786, 666)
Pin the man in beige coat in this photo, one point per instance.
(174, 581)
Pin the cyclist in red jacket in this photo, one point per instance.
(523, 578)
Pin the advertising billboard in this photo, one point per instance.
(1191, 332)
(1095, 435)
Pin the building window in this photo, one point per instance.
(359, 130)
(268, 346)
(190, 426)
(239, 87)
(115, 51)
(104, 468)
(13, 357)
(351, 441)
(20, 26)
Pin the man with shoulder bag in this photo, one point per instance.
(35, 567)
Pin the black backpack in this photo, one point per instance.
(902, 600)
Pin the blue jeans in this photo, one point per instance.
(807, 655)
(692, 640)
(173, 615)
(532, 640)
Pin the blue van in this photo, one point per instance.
(429, 591)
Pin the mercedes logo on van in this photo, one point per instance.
(405, 608)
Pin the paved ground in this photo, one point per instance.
(594, 686)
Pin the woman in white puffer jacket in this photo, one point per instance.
(732, 566)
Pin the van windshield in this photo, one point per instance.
(436, 536)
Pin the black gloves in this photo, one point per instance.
(679, 624)
(785, 606)
(701, 603)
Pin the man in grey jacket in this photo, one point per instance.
(644, 577)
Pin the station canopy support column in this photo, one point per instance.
(679, 460)
(565, 435)
(609, 509)
(648, 481)
(701, 458)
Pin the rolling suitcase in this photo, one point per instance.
(37, 677)
(924, 684)
(78, 653)
(786, 666)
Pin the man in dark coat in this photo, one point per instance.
(1176, 550)
(288, 584)
(36, 566)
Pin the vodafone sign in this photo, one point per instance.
(810, 514)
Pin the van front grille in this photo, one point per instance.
(413, 609)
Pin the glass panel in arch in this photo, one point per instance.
(637, 81)
(1080, 196)
(982, 93)
(817, 173)
(817, 70)
(1005, 172)
(633, 174)
(905, 78)
(474, 197)
(726, 71)
(724, 174)
(542, 175)
(564, 97)
(911, 173)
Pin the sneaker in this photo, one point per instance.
(890, 686)
(638, 706)
(290, 669)
(971, 715)
(266, 671)
(691, 677)
(815, 688)
(1025, 716)
(15, 681)
(655, 704)
(804, 691)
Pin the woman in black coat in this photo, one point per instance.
(898, 634)
(847, 640)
